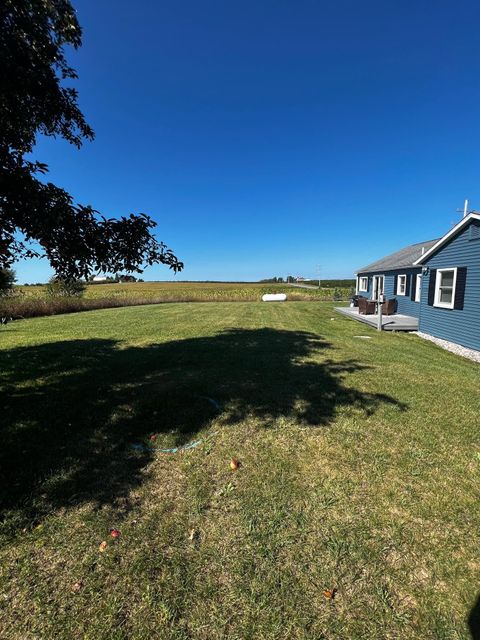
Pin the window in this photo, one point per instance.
(445, 288)
(401, 285)
(363, 283)
(418, 287)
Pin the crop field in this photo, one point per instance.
(351, 511)
(207, 291)
(199, 291)
(33, 301)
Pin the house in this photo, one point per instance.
(437, 281)
(396, 276)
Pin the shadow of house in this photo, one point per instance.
(474, 621)
(71, 410)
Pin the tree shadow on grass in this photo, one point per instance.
(474, 620)
(71, 410)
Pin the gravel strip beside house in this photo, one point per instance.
(471, 354)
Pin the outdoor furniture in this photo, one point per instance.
(389, 307)
(366, 307)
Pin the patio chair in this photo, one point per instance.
(389, 307)
(366, 307)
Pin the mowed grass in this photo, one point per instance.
(360, 469)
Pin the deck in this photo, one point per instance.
(397, 322)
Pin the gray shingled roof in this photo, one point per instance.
(400, 259)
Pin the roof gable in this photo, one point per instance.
(447, 237)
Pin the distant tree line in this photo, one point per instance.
(275, 279)
(280, 279)
(118, 277)
(328, 284)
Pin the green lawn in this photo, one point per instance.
(360, 469)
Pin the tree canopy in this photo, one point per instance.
(34, 99)
(7, 280)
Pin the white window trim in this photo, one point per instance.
(360, 288)
(445, 305)
(399, 293)
(418, 289)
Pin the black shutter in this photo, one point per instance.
(408, 278)
(460, 287)
(413, 290)
(395, 279)
(431, 287)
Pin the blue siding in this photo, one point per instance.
(405, 304)
(368, 293)
(460, 326)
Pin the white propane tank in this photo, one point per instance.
(274, 297)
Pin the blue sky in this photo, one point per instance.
(269, 136)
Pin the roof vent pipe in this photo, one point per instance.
(465, 208)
